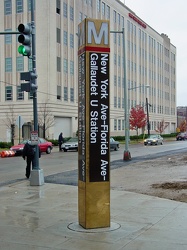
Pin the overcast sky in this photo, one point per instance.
(168, 17)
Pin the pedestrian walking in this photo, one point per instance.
(28, 155)
(60, 141)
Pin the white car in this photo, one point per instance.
(154, 140)
(71, 144)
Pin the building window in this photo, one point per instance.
(123, 124)
(119, 60)
(58, 64)
(58, 35)
(122, 21)
(114, 17)
(8, 7)
(65, 9)
(72, 94)
(118, 18)
(8, 37)
(65, 65)
(71, 13)
(71, 67)
(115, 60)
(59, 93)
(115, 38)
(119, 39)
(30, 95)
(30, 64)
(19, 63)
(123, 105)
(8, 93)
(8, 64)
(115, 124)
(115, 102)
(58, 7)
(65, 38)
(107, 12)
(119, 81)
(20, 94)
(119, 124)
(80, 16)
(65, 93)
(19, 6)
(71, 41)
(103, 9)
(115, 80)
(119, 102)
(98, 5)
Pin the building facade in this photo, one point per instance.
(150, 61)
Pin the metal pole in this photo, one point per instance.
(34, 81)
(37, 177)
(126, 155)
(148, 125)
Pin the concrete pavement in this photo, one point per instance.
(46, 217)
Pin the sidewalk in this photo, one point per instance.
(46, 217)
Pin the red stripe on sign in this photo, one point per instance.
(91, 48)
(97, 49)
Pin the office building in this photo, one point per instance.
(150, 61)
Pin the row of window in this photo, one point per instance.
(120, 125)
(20, 65)
(65, 66)
(65, 10)
(19, 6)
(65, 38)
(119, 103)
(20, 94)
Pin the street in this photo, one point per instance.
(12, 169)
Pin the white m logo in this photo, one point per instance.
(98, 37)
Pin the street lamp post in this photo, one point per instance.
(148, 124)
(126, 154)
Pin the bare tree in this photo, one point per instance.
(45, 117)
(10, 121)
(10, 117)
(161, 126)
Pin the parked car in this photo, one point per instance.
(44, 145)
(71, 144)
(154, 140)
(114, 144)
(181, 137)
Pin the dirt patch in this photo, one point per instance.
(164, 177)
(171, 185)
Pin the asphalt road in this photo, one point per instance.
(61, 167)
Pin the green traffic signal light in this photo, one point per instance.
(21, 50)
(24, 50)
(25, 38)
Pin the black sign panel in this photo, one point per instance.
(99, 119)
(82, 118)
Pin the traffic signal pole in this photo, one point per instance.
(37, 176)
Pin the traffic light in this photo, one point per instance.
(29, 77)
(25, 38)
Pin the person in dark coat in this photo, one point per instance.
(60, 141)
(28, 155)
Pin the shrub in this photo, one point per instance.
(5, 144)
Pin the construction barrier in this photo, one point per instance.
(7, 153)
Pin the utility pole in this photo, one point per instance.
(148, 124)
